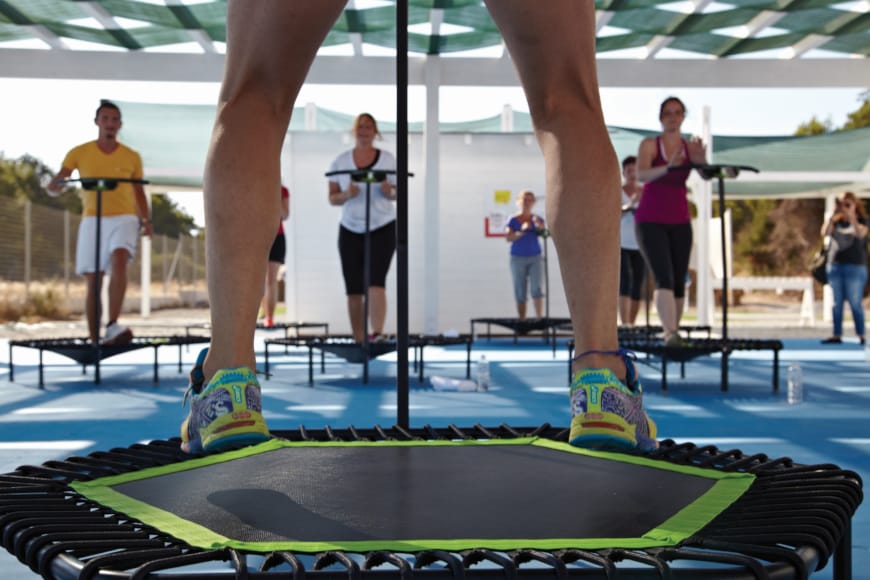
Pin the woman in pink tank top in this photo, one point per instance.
(662, 220)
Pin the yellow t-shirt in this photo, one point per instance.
(123, 162)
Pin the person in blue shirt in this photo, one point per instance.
(527, 264)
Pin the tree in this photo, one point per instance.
(814, 127)
(168, 219)
(861, 117)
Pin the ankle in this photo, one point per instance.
(614, 360)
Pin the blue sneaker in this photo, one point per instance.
(226, 414)
(607, 413)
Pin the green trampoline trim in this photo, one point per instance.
(728, 487)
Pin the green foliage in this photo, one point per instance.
(168, 219)
(861, 117)
(814, 127)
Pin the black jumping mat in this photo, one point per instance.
(428, 502)
(84, 352)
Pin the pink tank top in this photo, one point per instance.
(664, 199)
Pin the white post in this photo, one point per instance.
(431, 187)
(291, 292)
(66, 255)
(507, 119)
(28, 210)
(145, 274)
(827, 292)
(704, 204)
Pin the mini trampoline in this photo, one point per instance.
(694, 348)
(86, 353)
(548, 326)
(478, 503)
(345, 347)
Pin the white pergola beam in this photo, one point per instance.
(628, 73)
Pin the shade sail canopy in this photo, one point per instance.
(726, 43)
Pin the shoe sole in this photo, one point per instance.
(602, 431)
(235, 433)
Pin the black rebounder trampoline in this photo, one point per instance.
(428, 503)
(84, 352)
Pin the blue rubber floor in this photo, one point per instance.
(73, 416)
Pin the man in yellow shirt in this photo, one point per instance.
(124, 212)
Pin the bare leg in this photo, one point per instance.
(118, 282)
(356, 312)
(679, 307)
(271, 44)
(521, 310)
(377, 308)
(270, 294)
(94, 283)
(552, 44)
(633, 309)
(625, 310)
(666, 306)
(539, 307)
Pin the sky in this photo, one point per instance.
(45, 117)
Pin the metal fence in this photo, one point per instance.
(38, 246)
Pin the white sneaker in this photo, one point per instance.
(117, 334)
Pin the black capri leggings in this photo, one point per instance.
(631, 273)
(666, 249)
(351, 248)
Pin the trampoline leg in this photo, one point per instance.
(179, 356)
(311, 364)
(322, 362)
(266, 358)
(682, 369)
(41, 377)
(843, 554)
(97, 366)
(724, 370)
(156, 377)
(420, 368)
(775, 371)
(468, 359)
(664, 373)
(11, 368)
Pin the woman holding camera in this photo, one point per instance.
(847, 264)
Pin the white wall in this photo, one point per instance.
(475, 278)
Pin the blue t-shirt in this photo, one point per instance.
(527, 244)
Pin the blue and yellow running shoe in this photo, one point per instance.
(226, 414)
(607, 413)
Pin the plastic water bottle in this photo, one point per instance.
(795, 384)
(483, 374)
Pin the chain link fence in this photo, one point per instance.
(38, 253)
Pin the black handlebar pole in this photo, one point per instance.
(720, 172)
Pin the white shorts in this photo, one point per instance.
(117, 232)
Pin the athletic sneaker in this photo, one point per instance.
(674, 340)
(268, 323)
(116, 334)
(607, 413)
(226, 414)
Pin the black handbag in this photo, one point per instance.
(819, 266)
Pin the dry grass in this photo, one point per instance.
(44, 301)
